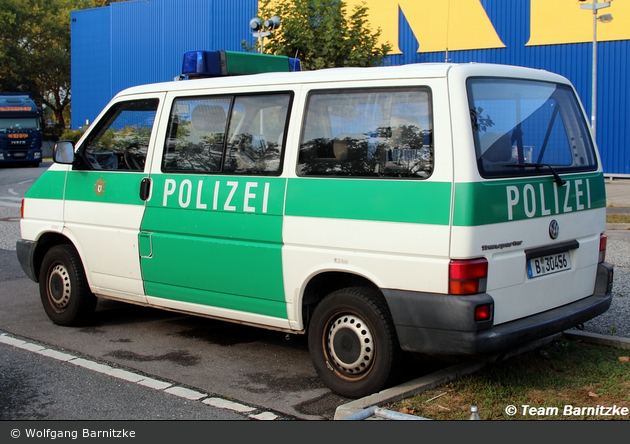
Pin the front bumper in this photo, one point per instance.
(26, 254)
(444, 324)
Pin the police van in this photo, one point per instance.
(454, 209)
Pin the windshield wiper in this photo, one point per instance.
(538, 166)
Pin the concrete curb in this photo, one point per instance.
(594, 338)
(409, 389)
(617, 227)
(449, 374)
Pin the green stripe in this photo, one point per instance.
(497, 201)
(411, 201)
(116, 187)
(49, 186)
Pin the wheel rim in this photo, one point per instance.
(59, 287)
(350, 345)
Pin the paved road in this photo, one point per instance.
(65, 391)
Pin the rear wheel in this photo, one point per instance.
(63, 287)
(353, 343)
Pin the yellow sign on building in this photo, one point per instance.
(464, 24)
(563, 21)
(437, 25)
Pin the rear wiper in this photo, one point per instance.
(538, 166)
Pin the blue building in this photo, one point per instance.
(135, 42)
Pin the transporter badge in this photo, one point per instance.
(554, 229)
(99, 187)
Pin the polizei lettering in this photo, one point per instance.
(544, 199)
(230, 195)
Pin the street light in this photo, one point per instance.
(605, 18)
(258, 26)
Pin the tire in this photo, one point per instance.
(353, 342)
(63, 287)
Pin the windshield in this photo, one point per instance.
(19, 123)
(521, 124)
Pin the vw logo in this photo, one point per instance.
(554, 229)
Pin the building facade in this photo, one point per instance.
(135, 42)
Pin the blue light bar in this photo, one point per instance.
(198, 64)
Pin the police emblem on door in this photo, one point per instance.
(554, 229)
(99, 187)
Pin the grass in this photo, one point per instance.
(618, 218)
(547, 380)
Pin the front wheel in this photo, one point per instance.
(63, 287)
(353, 342)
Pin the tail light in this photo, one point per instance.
(602, 247)
(467, 276)
(22, 210)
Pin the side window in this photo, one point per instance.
(368, 133)
(196, 135)
(121, 139)
(257, 128)
(227, 134)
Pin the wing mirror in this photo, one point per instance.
(63, 152)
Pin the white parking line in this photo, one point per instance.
(10, 201)
(136, 378)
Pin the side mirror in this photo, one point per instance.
(63, 152)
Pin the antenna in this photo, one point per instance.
(448, 26)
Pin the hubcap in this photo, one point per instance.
(59, 287)
(350, 345)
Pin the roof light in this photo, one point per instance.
(198, 64)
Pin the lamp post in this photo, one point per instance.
(595, 6)
(258, 26)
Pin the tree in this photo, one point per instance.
(322, 34)
(35, 51)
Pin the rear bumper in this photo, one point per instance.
(438, 323)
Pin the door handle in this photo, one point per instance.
(145, 188)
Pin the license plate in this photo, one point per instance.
(19, 155)
(544, 265)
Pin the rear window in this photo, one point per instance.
(523, 127)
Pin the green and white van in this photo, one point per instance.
(432, 208)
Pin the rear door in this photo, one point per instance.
(538, 209)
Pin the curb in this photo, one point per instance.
(594, 338)
(449, 374)
(610, 227)
(409, 388)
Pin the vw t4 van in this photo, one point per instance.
(434, 208)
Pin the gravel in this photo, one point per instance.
(616, 321)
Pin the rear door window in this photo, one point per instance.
(523, 127)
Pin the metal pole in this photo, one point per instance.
(594, 6)
(594, 91)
